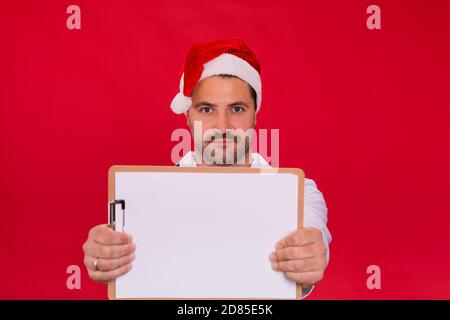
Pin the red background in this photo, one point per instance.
(365, 113)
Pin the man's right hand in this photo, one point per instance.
(113, 250)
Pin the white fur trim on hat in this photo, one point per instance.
(224, 64)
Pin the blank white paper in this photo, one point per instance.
(206, 235)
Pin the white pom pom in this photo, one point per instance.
(181, 103)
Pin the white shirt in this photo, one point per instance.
(315, 212)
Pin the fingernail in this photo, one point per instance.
(273, 257)
(274, 266)
(130, 238)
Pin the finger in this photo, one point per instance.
(284, 242)
(101, 276)
(300, 237)
(96, 250)
(295, 253)
(305, 278)
(107, 236)
(108, 264)
(303, 265)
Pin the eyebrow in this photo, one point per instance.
(204, 103)
(209, 104)
(238, 103)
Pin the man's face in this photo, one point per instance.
(225, 108)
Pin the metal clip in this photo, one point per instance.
(112, 212)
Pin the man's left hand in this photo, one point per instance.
(301, 256)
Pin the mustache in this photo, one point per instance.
(224, 136)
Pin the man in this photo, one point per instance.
(220, 94)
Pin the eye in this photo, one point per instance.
(206, 109)
(237, 109)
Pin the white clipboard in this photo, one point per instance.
(204, 232)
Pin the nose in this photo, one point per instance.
(222, 122)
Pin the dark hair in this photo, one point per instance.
(252, 91)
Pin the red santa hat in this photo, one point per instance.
(227, 56)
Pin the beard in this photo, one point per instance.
(233, 152)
